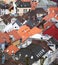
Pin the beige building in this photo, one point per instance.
(21, 11)
(22, 7)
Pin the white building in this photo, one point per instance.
(14, 25)
(2, 24)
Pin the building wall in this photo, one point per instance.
(4, 11)
(20, 11)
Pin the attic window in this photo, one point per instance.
(12, 38)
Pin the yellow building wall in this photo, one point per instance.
(16, 43)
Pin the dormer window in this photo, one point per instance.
(15, 27)
(13, 20)
(12, 37)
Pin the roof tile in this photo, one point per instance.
(15, 34)
(11, 49)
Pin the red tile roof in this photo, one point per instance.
(11, 49)
(52, 31)
(25, 32)
(23, 29)
(35, 30)
(48, 24)
(53, 8)
(1, 41)
(4, 37)
(53, 11)
(49, 16)
(56, 17)
(15, 34)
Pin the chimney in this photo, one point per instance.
(34, 5)
(14, 7)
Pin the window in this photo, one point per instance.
(25, 10)
(17, 10)
(12, 38)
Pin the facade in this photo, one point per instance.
(2, 24)
(23, 7)
(14, 25)
(4, 9)
(21, 11)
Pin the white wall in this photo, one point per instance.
(21, 10)
(11, 27)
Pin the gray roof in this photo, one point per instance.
(23, 4)
(53, 41)
(18, 22)
(31, 23)
(34, 50)
(46, 3)
(56, 24)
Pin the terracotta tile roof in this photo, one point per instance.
(25, 36)
(52, 31)
(4, 37)
(56, 17)
(48, 24)
(1, 41)
(53, 11)
(23, 30)
(49, 16)
(11, 49)
(15, 34)
(35, 30)
(53, 8)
